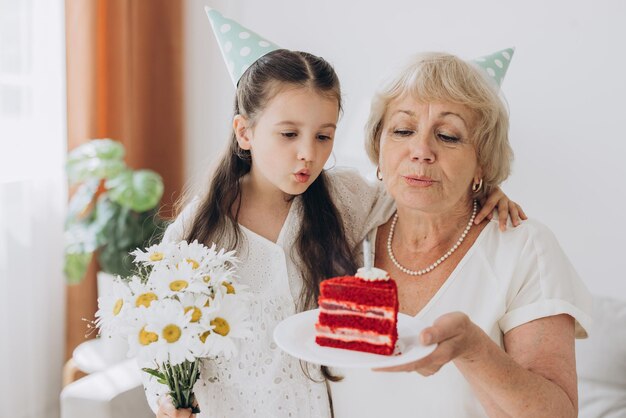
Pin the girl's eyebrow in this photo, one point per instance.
(291, 123)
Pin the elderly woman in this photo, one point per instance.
(505, 307)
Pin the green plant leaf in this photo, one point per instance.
(106, 214)
(81, 238)
(79, 201)
(75, 266)
(127, 231)
(139, 190)
(154, 372)
(98, 158)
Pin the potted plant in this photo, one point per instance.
(113, 210)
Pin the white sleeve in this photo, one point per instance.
(545, 283)
(177, 230)
(360, 203)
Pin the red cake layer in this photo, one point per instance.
(353, 289)
(359, 315)
(333, 306)
(382, 326)
(356, 346)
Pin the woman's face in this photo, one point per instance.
(426, 158)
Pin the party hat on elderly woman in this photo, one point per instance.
(240, 46)
(496, 64)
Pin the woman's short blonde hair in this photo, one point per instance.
(441, 77)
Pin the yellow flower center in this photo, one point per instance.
(230, 289)
(197, 313)
(178, 285)
(206, 279)
(118, 306)
(221, 327)
(204, 336)
(145, 299)
(147, 337)
(194, 263)
(156, 256)
(171, 333)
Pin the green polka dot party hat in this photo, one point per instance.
(496, 64)
(240, 46)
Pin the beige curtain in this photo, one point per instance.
(124, 81)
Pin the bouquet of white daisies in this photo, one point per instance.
(183, 305)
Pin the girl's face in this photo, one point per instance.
(291, 140)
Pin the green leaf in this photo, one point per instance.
(126, 232)
(81, 238)
(76, 265)
(98, 158)
(106, 214)
(154, 372)
(139, 190)
(79, 201)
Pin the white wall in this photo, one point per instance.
(565, 89)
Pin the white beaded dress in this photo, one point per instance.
(263, 381)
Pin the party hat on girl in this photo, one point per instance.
(496, 64)
(240, 46)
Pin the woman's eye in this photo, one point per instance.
(289, 134)
(403, 132)
(448, 138)
(324, 137)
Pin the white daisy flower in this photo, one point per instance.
(219, 259)
(156, 254)
(225, 326)
(192, 253)
(198, 304)
(170, 281)
(171, 324)
(143, 294)
(113, 307)
(141, 341)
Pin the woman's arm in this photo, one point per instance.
(537, 374)
(534, 377)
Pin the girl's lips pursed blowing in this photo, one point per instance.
(302, 176)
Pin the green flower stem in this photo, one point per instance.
(180, 380)
(192, 381)
(177, 397)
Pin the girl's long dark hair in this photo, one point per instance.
(321, 242)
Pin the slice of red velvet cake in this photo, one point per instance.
(359, 312)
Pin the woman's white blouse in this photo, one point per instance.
(262, 381)
(506, 279)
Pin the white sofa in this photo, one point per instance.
(601, 359)
(601, 362)
(116, 392)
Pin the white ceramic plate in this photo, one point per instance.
(296, 336)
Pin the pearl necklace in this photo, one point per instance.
(436, 263)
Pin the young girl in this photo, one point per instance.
(292, 223)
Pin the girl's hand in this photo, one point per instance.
(168, 410)
(506, 208)
(456, 337)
